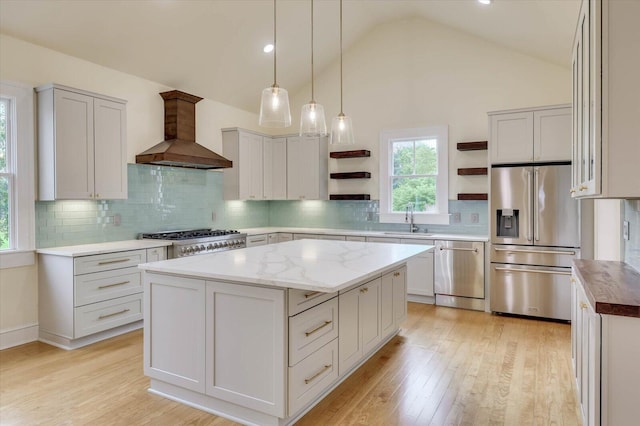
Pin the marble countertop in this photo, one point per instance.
(315, 265)
(353, 232)
(613, 288)
(101, 248)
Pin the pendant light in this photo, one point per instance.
(312, 121)
(274, 105)
(341, 126)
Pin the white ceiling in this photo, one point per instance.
(213, 48)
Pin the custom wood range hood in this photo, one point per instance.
(179, 149)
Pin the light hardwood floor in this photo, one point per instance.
(446, 367)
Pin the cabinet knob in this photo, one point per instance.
(90, 195)
(572, 191)
(583, 305)
(364, 290)
(97, 195)
(582, 188)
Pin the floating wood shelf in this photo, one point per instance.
(349, 197)
(472, 146)
(351, 175)
(478, 196)
(350, 154)
(471, 171)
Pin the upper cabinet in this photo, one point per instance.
(606, 124)
(274, 167)
(81, 145)
(243, 181)
(530, 135)
(307, 168)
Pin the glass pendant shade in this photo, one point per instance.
(312, 121)
(274, 107)
(342, 130)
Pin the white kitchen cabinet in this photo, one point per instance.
(393, 303)
(605, 351)
(156, 254)
(605, 100)
(81, 145)
(257, 240)
(245, 346)
(420, 271)
(355, 238)
(307, 168)
(279, 237)
(245, 180)
(83, 299)
(359, 329)
(275, 168)
(388, 240)
(530, 135)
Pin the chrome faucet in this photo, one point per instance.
(408, 218)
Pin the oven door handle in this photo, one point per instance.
(535, 271)
(567, 253)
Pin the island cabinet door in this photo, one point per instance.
(246, 357)
(359, 323)
(399, 296)
(174, 330)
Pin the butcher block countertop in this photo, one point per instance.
(613, 288)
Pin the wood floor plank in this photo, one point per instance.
(446, 367)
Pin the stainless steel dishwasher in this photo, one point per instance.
(459, 274)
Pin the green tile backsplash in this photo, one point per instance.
(166, 198)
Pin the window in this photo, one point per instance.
(16, 175)
(414, 173)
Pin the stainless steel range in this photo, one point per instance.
(199, 241)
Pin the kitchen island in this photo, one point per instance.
(260, 335)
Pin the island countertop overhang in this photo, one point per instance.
(313, 265)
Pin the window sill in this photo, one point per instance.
(17, 258)
(418, 218)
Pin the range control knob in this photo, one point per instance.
(202, 247)
(210, 247)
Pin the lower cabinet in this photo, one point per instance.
(257, 240)
(605, 352)
(266, 352)
(420, 271)
(359, 329)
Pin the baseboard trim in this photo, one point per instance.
(70, 344)
(18, 336)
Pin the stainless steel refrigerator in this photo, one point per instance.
(535, 235)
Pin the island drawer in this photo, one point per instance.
(101, 286)
(102, 316)
(108, 261)
(301, 300)
(312, 329)
(312, 375)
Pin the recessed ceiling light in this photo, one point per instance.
(268, 48)
(485, 1)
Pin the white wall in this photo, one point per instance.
(34, 65)
(416, 73)
(607, 230)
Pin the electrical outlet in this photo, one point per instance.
(117, 219)
(475, 217)
(625, 230)
(455, 217)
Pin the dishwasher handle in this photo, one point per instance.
(475, 249)
(535, 271)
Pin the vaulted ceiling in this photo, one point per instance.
(213, 48)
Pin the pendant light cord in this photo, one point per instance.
(341, 58)
(312, 91)
(274, 44)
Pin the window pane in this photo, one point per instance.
(4, 213)
(427, 157)
(419, 191)
(4, 107)
(403, 158)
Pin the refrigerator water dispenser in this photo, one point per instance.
(507, 223)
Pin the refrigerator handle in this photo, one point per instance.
(536, 208)
(529, 207)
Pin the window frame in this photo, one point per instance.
(20, 146)
(441, 214)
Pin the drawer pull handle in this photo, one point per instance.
(535, 271)
(396, 274)
(109, 262)
(364, 290)
(318, 328)
(583, 305)
(475, 250)
(113, 285)
(566, 253)
(313, 293)
(312, 378)
(113, 314)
